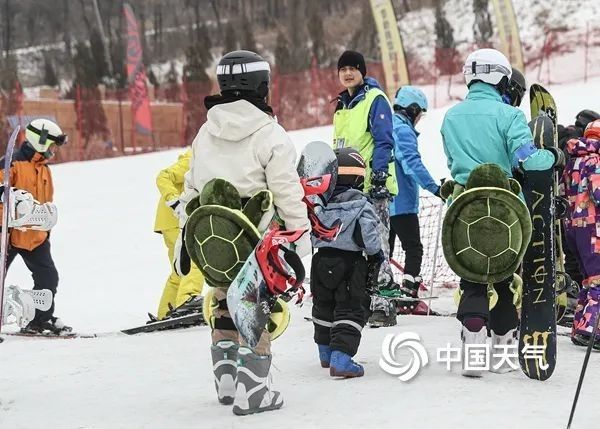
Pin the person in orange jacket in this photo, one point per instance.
(29, 172)
(178, 290)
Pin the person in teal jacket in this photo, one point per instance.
(484, 129)
(409, 105)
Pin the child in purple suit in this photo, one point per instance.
(582, 188)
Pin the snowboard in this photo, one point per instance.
(542, 104)
(382, 209)
(186, 321)
(4, 237)
(380, 275)
(266, 273)
(537, 340)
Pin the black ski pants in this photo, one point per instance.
(338, 282)
(406, 227)
(45, 276)
(474, 303)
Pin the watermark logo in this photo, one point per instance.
(477, 357)
(409, 341)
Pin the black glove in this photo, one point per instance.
(377, 258)
(438, 194)
(559, 158)
(378, 189)
(172, 204)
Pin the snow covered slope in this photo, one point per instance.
(112, 269)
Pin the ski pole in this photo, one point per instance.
(583, 369)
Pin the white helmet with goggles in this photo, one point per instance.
(489, 66)
(43, 133)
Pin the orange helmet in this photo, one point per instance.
(592, 131)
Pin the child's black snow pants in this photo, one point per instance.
(338, 282)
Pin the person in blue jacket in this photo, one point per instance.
(409, 106)
(484, 128)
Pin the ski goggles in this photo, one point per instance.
(476, 69)
(44, 135)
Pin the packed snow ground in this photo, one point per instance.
(112, 270)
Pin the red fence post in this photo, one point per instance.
(435, 81)
(548, 53)
(183, 112)
(314, 81)
(587, 47)
(79, 124)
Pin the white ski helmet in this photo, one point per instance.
(487, 65)
(42, 133)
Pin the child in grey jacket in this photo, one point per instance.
(339, 269)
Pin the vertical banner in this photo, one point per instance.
(392, 51)
(141, 116)
(510, 41)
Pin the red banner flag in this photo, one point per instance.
(136, 77)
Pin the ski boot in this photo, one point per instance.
(342, 365)
(224, 357)
(324, 355)
(578, 315)
(501, 354)
(253, 385)
(384, 312)
(567, 291)
(51, 327)
(408, 289)
(586, 316)
(192, 305)
(473, 336)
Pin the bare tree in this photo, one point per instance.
(482, 27)
(7, 28)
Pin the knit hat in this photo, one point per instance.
(351, 168)
(353, 59)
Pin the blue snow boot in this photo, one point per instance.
(342, 365)
(324, 355)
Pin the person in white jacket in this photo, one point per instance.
(242, 143)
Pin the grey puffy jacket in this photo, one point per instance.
(359, 223)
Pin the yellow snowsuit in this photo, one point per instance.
(170, 185)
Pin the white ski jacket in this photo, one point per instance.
(247, 147)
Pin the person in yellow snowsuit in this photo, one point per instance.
(170, 185)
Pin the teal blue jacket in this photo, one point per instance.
(483, 129)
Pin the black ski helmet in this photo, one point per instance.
(351, 168)
(584, 117)
(516, 88)
(243, 71)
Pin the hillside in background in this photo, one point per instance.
(43, 41)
